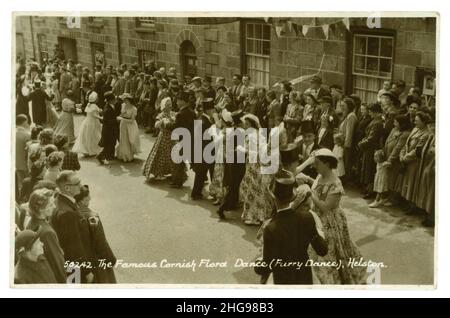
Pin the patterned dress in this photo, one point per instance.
(159, 161)
(258, 203)
(216, 188)
(340, 246)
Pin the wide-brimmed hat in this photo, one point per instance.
(284, 186)
(253, 119)
(26, 238)
(237, 115)
(197, 78)
(324, 152)
(226, 116)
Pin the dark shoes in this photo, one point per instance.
(196, 197)
(100, 160)
(221, 214)
(370, 195)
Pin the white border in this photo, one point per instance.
(232, 6)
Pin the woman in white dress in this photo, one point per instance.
(129, 143)
(90, 130)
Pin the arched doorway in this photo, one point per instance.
(188, 58)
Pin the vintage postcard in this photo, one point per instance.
(226, 150)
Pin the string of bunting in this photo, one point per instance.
(284, 26)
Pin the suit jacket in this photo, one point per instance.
(287, 238)
(22, 136)
(110, 129)
(327, 139)
(73, 233)
(185, 119)
(39, 106)
(284, 102)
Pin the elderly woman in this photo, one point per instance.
(159, 161)
(410, 161)
(41, 206)
(327, 192)
(95, 238)
(129, 142)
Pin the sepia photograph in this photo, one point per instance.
(250, 150)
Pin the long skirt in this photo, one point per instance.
(159, 161)
(216, 188)
(258, 203)
(129, 142)
(88, 137)
(406, 185)
(65, 126)
(368, 167)
(425, 190)
(52, 116)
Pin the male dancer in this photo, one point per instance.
(110, 130)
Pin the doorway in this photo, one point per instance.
(69, 47)
(188, 59)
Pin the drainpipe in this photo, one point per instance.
(32, 37)
(118, 41)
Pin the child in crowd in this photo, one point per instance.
(386, 87)
(380, 185)
(338, 151)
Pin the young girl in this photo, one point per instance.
(380, 185)
(338, 151)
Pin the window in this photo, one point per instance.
(20, 46)
(372, 64)
(42, 46)
(145, 22)
(98, 55)
(145, 57)
(257, 52)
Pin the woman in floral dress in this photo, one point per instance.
(327, 192)
(159, 161)
(216, 189)
(258, 203)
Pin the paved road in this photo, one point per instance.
(152, 223)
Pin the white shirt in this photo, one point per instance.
(307, 149)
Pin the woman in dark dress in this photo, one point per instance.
(360, 132)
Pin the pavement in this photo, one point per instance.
(175, 240)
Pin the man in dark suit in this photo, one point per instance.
(110, 130)
(210, 91)
(288, 236)
(203, 123)
(66, 221)
(39, 108)
(317, 89)
(184, 119)
(236, 89)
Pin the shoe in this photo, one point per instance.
(100, 160)
(249, 222)
(386, 203)
(196, 197)
(369, 196)
(375, 204)
(221, 214)
(217, 202)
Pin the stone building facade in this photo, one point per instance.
(359, 58)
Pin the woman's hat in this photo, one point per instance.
(126, 96)
(324, 152)
(197, 78)
(26, 238)
(253, 119)
(237, 115)
(109, 96)
(288, 153)
(284, 186)
(375, 107)
(93, 97)
(165, 102)
(226, 116)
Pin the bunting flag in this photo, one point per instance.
(305, 29)
(296, 29)
(346, 22)
(326, 30)
(278, 29)
(266, 19)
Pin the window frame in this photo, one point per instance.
(143, 27)
(40, 48)
(244, 48)
(140, 57)
(380, 33)
(95, 45)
